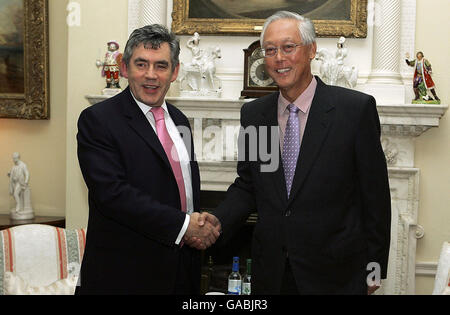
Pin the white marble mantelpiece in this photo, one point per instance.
(400, 125)
(209, 107)
(399, 120)
(94, 98)
(409, 119)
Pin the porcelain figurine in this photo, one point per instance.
(333, 71)
(198, 77)
(111, 68)
(422, 82)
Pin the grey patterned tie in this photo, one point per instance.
(291, 146)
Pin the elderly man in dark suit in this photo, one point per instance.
(134, 151)
(324, 213)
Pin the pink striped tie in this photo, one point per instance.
(171, 152)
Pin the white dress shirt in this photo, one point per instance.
(182, 154)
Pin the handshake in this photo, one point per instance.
(203, 230)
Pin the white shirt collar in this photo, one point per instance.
(145, 108)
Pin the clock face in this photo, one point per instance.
(258, 74)
(257, 82)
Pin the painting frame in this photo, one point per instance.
(355, 27)
(33, 104)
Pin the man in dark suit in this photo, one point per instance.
(324, 213)
(134, 151)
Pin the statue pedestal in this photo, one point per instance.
(111, 92)
(22, 215)
(27, 212)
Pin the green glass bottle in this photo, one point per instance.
(247, 279)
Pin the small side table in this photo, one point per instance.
(6, 222)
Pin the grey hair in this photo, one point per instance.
(152, 36)
(305, 26)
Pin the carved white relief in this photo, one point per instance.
(390, 151)
(403, 130)
(404, 184)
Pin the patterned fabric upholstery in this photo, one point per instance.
(40, 254)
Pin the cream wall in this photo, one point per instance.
(100, 22)
(42, 143)
(433, 147)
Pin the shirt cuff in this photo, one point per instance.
(183, 229)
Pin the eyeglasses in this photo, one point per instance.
(286, 49)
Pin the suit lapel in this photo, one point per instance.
(270, 118)
(318, 124)
(140, 124)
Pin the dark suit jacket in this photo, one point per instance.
(337, 218)
(134, 204)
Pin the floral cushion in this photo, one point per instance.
(40, 254)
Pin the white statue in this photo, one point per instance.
(18, 187)
(332, 68)
(198, 78)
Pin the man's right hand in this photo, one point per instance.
(203, 230)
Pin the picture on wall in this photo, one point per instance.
(11, 46)
(261, 9)
(332, 17)
(24, 91)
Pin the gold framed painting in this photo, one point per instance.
(24, 90)
(236, 17)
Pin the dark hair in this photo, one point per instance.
(152, 36)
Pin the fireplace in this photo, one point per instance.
(400, 123)
(217, 261)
